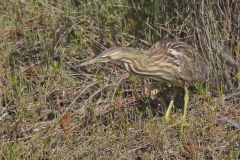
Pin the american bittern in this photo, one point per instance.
(173, 62)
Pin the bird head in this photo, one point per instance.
(114, 54)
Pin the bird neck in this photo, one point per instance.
(132, 54)
(137, 63)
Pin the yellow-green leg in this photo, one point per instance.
(186, 100)
(168, 112)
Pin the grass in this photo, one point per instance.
(52, 109)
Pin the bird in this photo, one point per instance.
(167, 61)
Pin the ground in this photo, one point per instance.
(53, 109)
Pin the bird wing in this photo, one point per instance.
(171, 48)
(180, 61)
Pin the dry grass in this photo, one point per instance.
(52, 109)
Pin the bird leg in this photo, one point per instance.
(186, 99)
(167, 114)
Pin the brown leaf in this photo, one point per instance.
(65, 121)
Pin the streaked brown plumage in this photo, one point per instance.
(173, 62)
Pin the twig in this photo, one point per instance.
(232, 123)
(3, 116)
(133, 150)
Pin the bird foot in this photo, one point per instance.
(184, 122)
(166, 118)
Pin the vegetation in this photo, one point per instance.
(52, 109)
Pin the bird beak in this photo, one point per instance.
(91, 61)
(94, 60)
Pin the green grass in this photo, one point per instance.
(52, 109)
